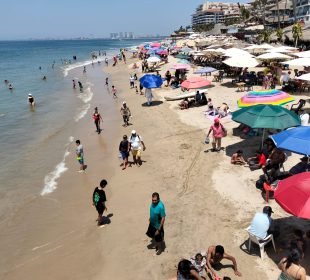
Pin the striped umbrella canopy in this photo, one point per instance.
(272, 97)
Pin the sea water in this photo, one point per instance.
(34, 143)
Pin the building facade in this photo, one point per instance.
(303, 10)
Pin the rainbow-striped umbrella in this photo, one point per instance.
(272, 97)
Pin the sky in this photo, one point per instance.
(24, 19)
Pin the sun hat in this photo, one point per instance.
(29, 94)
(124, 102)
(133, 132)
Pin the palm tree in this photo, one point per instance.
(279, 34)
(296, 32)
(266, 35)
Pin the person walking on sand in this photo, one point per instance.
(124, 151)
(125, 111)
(80, 155)
(218, 133)
(31, 100)
(84, 69)
(107, 81)
(135, 147)
(99, 199)
(114, 91)
(106, 61)
(149, 95)
(214, 257)
(156, 223)
(97, 118)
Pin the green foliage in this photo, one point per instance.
(296, 32)
(265, 35)
(203, 27)
(279, 34)
(244, 13)
(231, 21)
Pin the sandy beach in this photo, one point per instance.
(208, 201)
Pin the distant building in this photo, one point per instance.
(303, 10)
(215, 12)
(130, 35)
(120, 35)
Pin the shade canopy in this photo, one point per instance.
(155, 44)
(272, 97)
(162, 52)
(296, 140)
(235, 52)
(293, 195)
(151, 81)
(273, 55)
(303, 54)
(298, 62)
(195, 82)
(205, 70)
(304, 77)
(182, 56)
(241, 61)
(266, 116)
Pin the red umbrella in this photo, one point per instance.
(155, 44)
(293, 194)
(165, 52)
(195, 82)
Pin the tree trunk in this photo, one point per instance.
(278, 14)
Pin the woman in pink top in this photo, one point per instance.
(218, 132)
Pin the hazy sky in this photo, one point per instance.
(22, 19)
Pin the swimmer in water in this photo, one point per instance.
(44, 78)
(10, 87)
(31, 100)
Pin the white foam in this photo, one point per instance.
(2, 115)
(86, 95)
(82, 112)
(50, 180)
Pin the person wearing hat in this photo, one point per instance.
(304, 117)
(125, 111)
(31, 100)
(218, 132)
(261, 223)
(135, 142)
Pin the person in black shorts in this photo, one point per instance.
(124, 151)
(99, 199)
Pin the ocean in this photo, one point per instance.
(34, 142)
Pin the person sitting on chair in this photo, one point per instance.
(301, 166)
(261, 223)
(197, 97)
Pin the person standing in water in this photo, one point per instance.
(84, 69)
(73, 84)
(80, 155)
(97, 118)
(80, 86)
(31, 100)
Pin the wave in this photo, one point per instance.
(66, 69)
(83, 111)
(2, 115)
(86, 95)
(50, 180)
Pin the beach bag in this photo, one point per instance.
(207, 140)
(151, 231)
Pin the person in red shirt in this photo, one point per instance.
(258, 161)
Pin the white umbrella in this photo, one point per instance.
(265, 46)
(153, 59)
(304, 77)
(282, 49)
(303, 54)
(236, 52)
(241, 61)
(298, 62)
(273, 55)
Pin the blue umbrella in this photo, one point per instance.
(205, 70)
(296, 140)
(151, 81)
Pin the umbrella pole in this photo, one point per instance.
(263, 139)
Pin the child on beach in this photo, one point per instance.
(137, 91)
(80, 155)
(199, 262)
(99, 199)
(114, 92)
(107, 81)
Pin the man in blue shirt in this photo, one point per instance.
(157, 220)
(261, 223)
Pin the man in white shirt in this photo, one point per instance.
(261, 223)
(135, 142)
(304, 117)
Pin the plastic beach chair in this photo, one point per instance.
(260, 242)
(267, 189)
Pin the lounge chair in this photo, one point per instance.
(298, 106)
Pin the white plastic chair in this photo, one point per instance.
(260, 242)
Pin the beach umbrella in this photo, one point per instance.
(179, 66)
(205, 70)
(147, 46)
(183, 61)
(298, 62)
(186, 49)
(155, 44)
(266, 116)
(182, 56)
(151, 81)
(305, 77)
(153, 59)
(273, 55)
(235, 52)
(272, 97)
(296, 140)
(195, 82)
(241, 61)
(293, 195)
(162, 52)
(303, 54)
